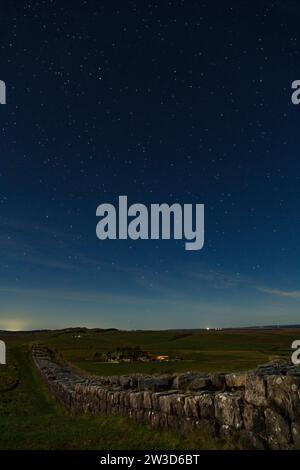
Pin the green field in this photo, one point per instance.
(226, 350)
(31, 419)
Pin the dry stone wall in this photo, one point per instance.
(262, 406)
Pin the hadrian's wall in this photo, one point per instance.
(262, 406)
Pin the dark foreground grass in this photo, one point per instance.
(31, 419)
(96, 433)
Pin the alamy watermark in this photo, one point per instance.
(160, 221)
(2, 352)
(2, 92)
(296, 354)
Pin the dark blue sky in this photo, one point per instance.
(176, 101)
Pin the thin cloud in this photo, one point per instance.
(218, 280)
(294, 294)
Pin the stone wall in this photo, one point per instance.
(262, 406)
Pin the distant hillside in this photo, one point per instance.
(73, 330)
(181, 332)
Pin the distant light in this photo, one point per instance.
(207, 329)
(13, 325)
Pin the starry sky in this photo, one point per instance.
(163, 101)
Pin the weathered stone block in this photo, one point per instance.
(148, 400)
(122, 395)
(295, 427)
(165, 404)
(125, 381)
(198, 383)
(184, 380)
(236, 380)
(255, 390)
(191, 407)
(155, 419)
(283, 392)
(154, 383)
(228, 408)
(178, 404)
(114, 380)
(254, 420)
(217, 380)
(155, 398)
(205, 405)
(136, 400)
(277, 430)
(225, 432)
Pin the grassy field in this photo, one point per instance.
(227, 350)
(31, 419)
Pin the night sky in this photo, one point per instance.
(162, 101)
